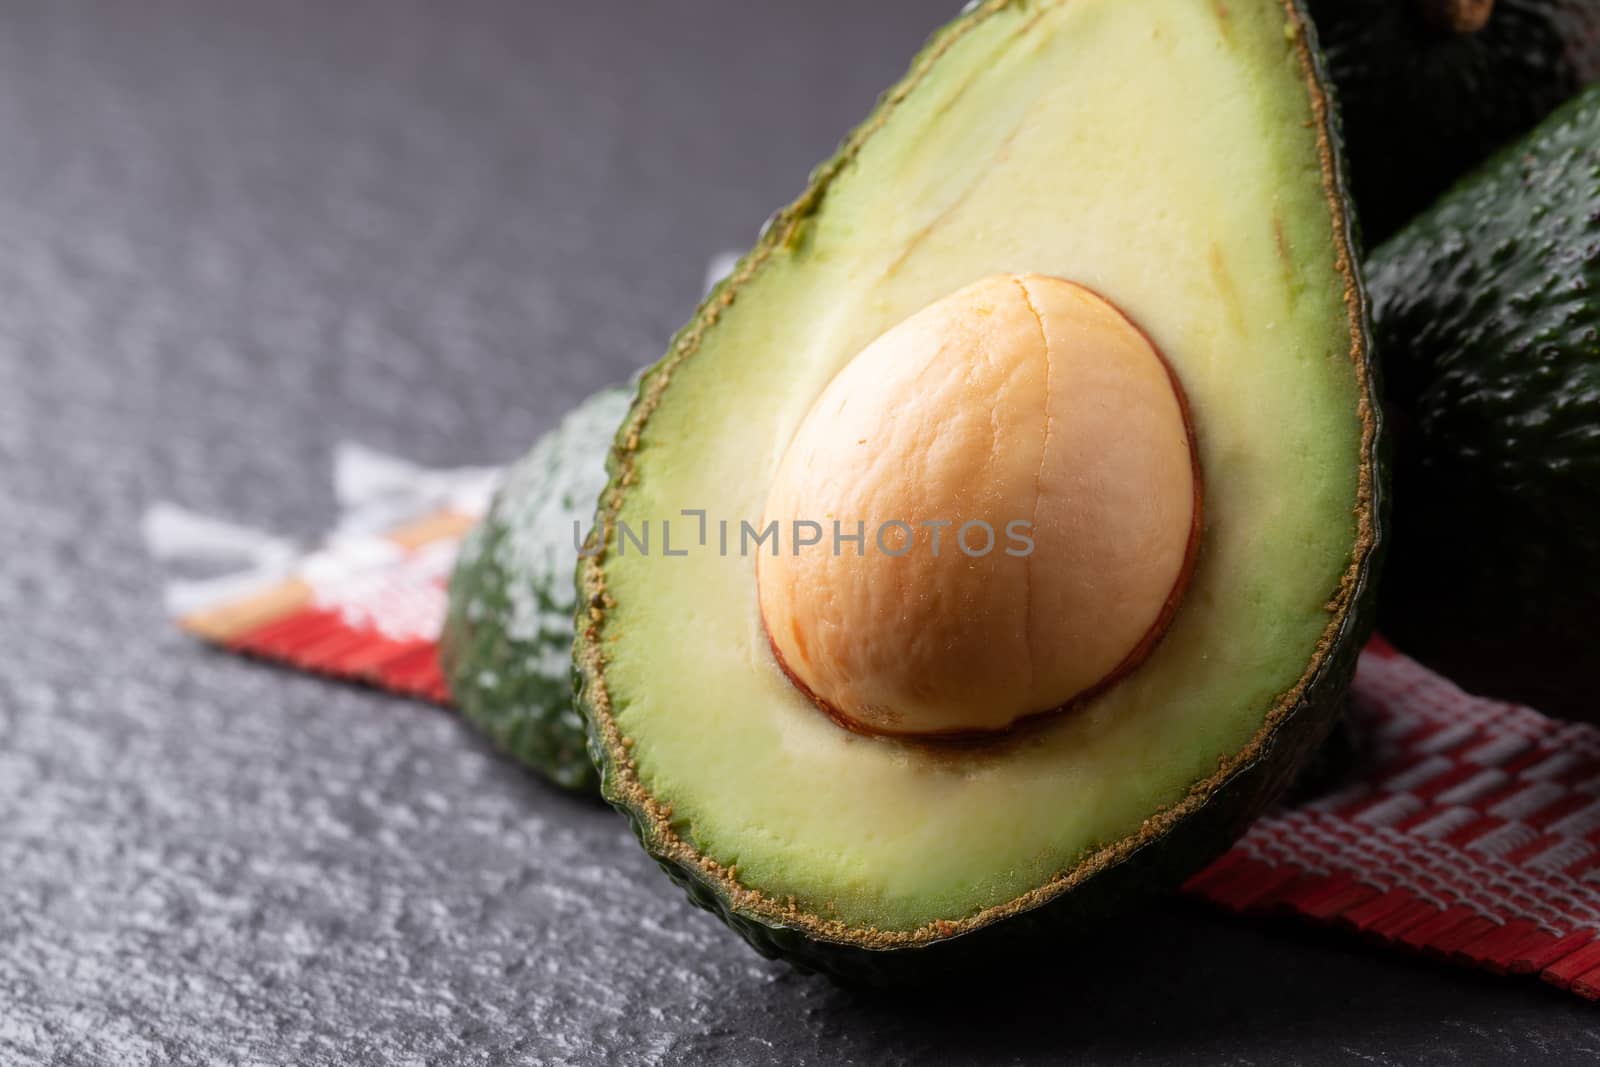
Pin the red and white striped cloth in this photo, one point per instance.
(1469, 829)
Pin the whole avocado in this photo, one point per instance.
(1429, 88)
(507, 641)
(1487, 312)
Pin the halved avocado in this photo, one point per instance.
(1171, 162)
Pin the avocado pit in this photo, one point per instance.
(1010, 503)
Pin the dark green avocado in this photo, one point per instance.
(1429, 88)
(1487, 312)
(507, 643)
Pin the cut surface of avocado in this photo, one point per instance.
(1201, 198)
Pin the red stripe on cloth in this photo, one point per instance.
(1496, 949)
(1335, 896)
(1449, 943)
(1572, 965)
(1587, 985)
(323, 641)
(1379, 908)
(1545, 950)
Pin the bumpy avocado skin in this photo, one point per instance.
(1160, 862)
(1488, 316)
(507, 640)
(1423, 104)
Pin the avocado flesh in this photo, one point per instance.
(1423, 103)
(1488, 312)
(1202, 198)
(507, 640)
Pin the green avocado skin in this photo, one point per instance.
(1422, 105)
(1161, 863)
(506, 645)
(1487, 313)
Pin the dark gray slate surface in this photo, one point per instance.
(232, 234)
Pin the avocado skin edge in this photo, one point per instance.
(1487, 308)
(1112, 879)
(1423, 105)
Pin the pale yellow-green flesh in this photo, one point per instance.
(1162, 154)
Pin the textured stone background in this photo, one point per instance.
(232, 234)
